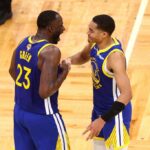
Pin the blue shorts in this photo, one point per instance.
(39, 132)
(115, 132)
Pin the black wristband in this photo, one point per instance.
(116, 108)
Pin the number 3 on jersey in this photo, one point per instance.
(26, 83)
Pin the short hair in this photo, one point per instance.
(45, 18)
(105, 23)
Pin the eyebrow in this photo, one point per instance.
(90, 29)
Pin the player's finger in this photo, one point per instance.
(90, 136)
(87, 129)
(97, 133)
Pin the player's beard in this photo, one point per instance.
(56, 37)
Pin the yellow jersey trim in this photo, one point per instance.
(104, 66)
(21, 42)
(107, 48)
(30, 40)
(43, 48)
(59, 145)
(98, 138)
(93, 45)
(112, 140)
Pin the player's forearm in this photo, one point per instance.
(125, 97)
(56, 85)
(61, 77)
(117, 106)
(47, 90)
(125, 89)
(78, 59)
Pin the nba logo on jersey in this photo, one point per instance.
(28, 47)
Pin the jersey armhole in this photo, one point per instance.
(43, 48)
(105, 70)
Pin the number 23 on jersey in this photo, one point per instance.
(26, 81)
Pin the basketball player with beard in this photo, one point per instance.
(35, 69)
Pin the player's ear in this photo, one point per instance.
(105, 34)
(50, 29)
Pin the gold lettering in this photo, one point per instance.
(25, 56)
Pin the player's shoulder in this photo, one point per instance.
(50, 54)
(116, 54)
(50, 50)
(116, 57)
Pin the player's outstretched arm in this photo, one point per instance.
(81, 57)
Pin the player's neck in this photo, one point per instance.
(105, 43)
(41, 36)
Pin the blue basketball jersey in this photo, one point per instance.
(115, 133)
(28, 79)
(105, 90)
